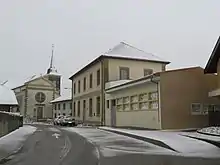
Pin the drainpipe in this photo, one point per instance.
(155, 82)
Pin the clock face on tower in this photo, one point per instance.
(40, 97)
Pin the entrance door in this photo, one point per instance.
(113, 113)
(40, 112)
(214, 118)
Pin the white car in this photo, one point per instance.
(58, 120)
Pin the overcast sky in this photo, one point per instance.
(181, 31)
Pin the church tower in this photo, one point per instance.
(52, 74)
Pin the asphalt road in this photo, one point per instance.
(51, 145)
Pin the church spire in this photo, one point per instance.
(51, 68)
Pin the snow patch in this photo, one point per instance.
(111, 144)
(210, 130)
(54, 129)
(13, 141)
(176, 141)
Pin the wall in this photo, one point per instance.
(47, 112)
(67, 111)
(136, 68)
(20, 95)
(179, 89)
(93, 92)
(134, 118)
(218, 73)
(9, 123)
(86, 74)
(88, 119)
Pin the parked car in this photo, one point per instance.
(68, 121)
(57, 121)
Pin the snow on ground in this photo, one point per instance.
(111, 144)
(13, 141)
(52, 129)
(210, 130)
(202, 136)
(185, 145)
(37, 123)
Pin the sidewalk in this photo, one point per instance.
(171, 140)
(13, 141)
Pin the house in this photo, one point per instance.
(213, 67)
(35, 95)
(120, 64)
(62, 106)
(174, 99)
(8, 100)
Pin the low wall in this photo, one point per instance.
(9, 122)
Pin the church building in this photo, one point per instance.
(35, 95)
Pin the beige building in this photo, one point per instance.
(213, 67)
(164, 100)
(123, 62)
(35, 95)
(62, 106)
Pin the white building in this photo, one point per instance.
(62, 106)
(35, 95)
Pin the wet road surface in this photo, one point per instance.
(51, 145)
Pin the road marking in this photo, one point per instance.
(66, 148)
(56, 135)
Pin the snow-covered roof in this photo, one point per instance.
(12, 113)
(124, 50)
(61, 98)
(54, 73)
(7, 96)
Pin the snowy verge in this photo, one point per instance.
(175, 140)
(210, 131)
(13, 141)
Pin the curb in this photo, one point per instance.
(149, 140)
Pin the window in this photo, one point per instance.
(64, 106)
(90, 107)
(78, 109)
(40, 97)
(58, 106)
(124, 73)
(74, 88)
(70, 105)
(84, 84)
(90, 80)
(148, 72)
(107, 103)
(98, 77)
(79, 86)
(84, 104)
(55, 106)
(164, 67)
(98, 106)
(74, 109)
(196, 108)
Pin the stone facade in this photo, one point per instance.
(35, 95)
